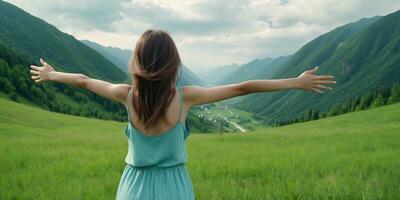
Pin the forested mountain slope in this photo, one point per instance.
(36, 38)
(363, 56)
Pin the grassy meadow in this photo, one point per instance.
(45, 155)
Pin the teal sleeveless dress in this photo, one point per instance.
(156, 164)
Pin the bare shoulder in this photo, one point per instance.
(126, 87)
(123, 90)
(186, 90)
(189, 94)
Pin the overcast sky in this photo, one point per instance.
(207, 32)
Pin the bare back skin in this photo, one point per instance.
(164, 123)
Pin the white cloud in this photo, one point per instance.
(207, 32)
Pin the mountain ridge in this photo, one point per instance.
(118, 56)
(35, 37)
(344, 52)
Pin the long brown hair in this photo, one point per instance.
(154, 67)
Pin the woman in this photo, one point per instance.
(157, 108)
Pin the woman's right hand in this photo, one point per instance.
(42, 73)
(309, 81)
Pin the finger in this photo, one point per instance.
(317, 90)
(35, 77)
(314, 70)
(34, 72)
(325, 82)
(323, 87)
(38, 80)
(326, 77)
(35, 67)
(42, 61)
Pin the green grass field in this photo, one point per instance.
(47, 155)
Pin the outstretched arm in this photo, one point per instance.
(116, 92)
(195, 95)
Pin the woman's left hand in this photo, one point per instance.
(309, 81)
(42, 73)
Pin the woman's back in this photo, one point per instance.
(163, 149)
(156, 162)
(170, 120)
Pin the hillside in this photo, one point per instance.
(235, 73)
(256, 69)
(212, 75)
(190, 78)
(16, 84)
(119, 57)
(23, 39)
(344, 157)
(363, 56)
(36, 38)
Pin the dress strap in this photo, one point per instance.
(180, 101)
(186, 123)
(129, 104)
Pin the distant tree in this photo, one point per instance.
(355, 104)
(14, 96)
(315, 115)
(309, 115)
(348, 106)
(23, 88)
(335, 110)
(3, 68)
(378, 101)
(6, 86)
(394, 94)
(365, 101)
(81, 98)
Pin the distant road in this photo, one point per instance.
(233, 123)
(237, 126)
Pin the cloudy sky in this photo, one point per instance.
(207, 32)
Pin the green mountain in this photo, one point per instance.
(269, 70)
(363, 56)
(190, 78)
(15, 84)
(119, 57)
(34, 37)
(213, 75)
(256, 69)
(23, 39)
(234, 73)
